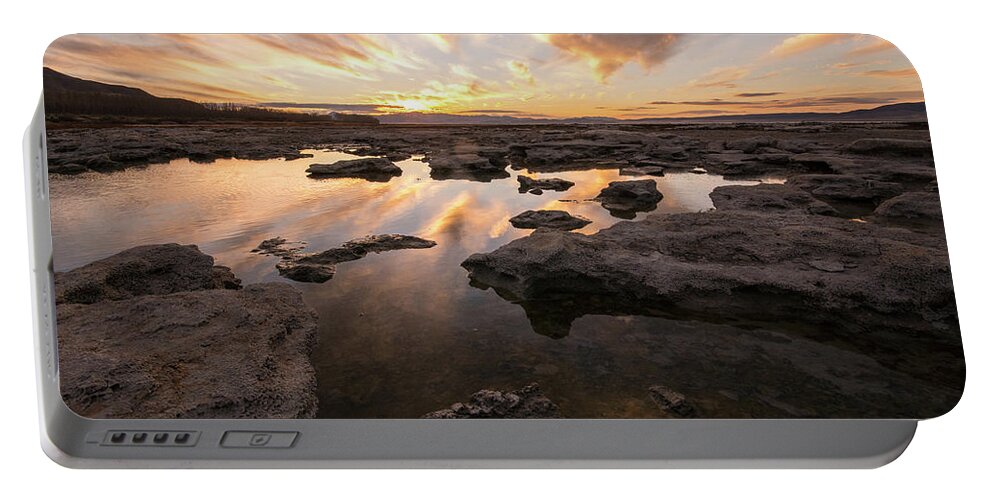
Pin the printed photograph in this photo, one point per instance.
(581, 226)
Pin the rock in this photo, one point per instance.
(554, 219)
(624, 198)
(911, 205)
(202, 354)
(143, 270)
(67, 169)
(320, 267)
(671, 402)
(769, 197)
(468, 166)
(751, 144)
(371, 169)
(885, 146)
(845, 187)
(536, 191)
(527, 402)
(652, 170)
(551, 184)
(733, 264)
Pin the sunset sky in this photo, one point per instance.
(622, 76)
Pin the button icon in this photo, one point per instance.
(252, 439)
(259, 439)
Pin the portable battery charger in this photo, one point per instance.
(565, 250)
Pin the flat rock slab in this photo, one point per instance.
(321, 267)
(769, 197)
(912, 205)
(467, 166)
(527, 402)
(884, 146)
(552, 219)
(551, 184)
(143, 270)
(158, 331)
(204, 354)
(372, 169)
(761, 265)
(646, 170)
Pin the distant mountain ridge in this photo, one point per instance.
(68, 97)
(904, 112)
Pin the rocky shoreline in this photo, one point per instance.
(849, 252)
(158, 331)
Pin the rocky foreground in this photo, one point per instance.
(159, 331)
(848, 253)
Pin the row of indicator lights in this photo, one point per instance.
(142, 437)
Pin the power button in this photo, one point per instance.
(258, 439)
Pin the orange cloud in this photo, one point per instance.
(877, 45)
(892, 73)
(799, 44)
(721, 77)
(521, 71)
(606, 54)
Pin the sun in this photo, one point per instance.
(412, 104)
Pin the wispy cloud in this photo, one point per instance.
(798, 44)
(521, 71)
(358, 108)
(806, 102)
(727, 77)
(757, 94)
(875, 46)
(608, 53)
(891, 73)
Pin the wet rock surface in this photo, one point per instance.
(527, 402)
(552, 219)
(623, 198)
(320, 267)
(467, 166)
(372, 169)
(839, 278)
(551, 183)
(169, 344)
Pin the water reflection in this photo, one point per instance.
(401, 333)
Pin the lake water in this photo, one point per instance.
(402, 333)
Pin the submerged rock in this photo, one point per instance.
(527, 402)
(371, 169)
(671, 402)
(623, 198)
(552, 184)
(553, 219)
(164, 339)
(320, 267)
(143, 270)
